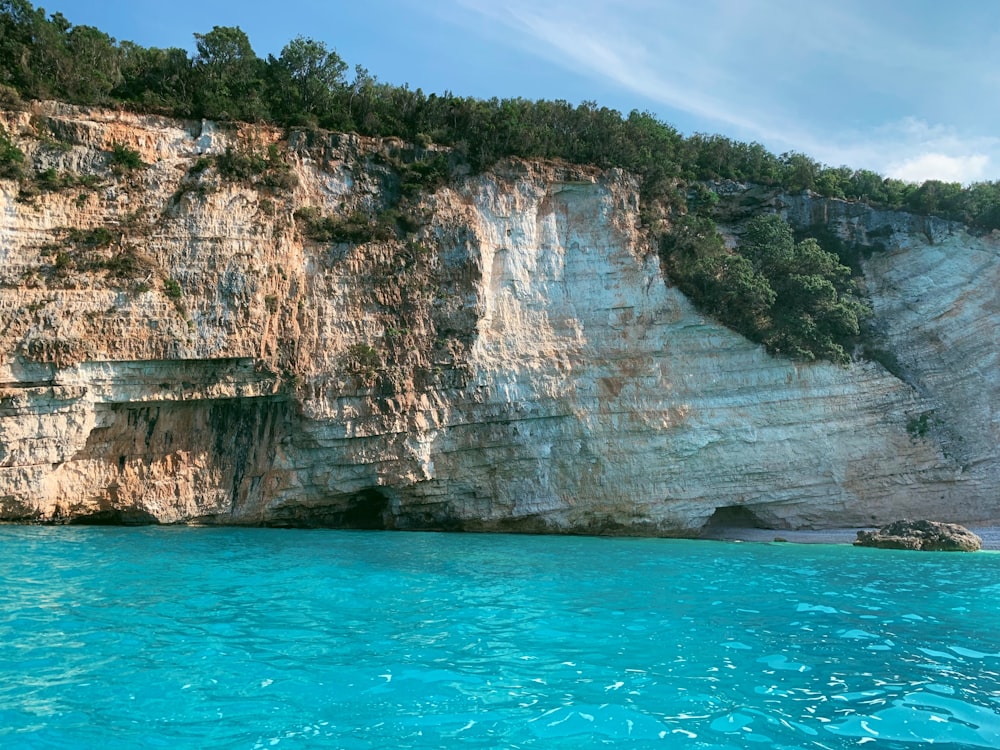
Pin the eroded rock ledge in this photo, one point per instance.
(513, 361)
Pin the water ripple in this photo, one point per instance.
(230, 638)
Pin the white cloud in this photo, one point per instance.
(934, 166)
(655, 62)
(914, 150)
(752, 73)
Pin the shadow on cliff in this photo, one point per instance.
(173, 460)
(212, 461)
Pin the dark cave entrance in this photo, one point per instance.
(369, 509)
(116, 517)
(732, 517)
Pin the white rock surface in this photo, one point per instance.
(519, 364)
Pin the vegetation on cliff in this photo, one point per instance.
(796, 298)
(11, 158)
(307, 85)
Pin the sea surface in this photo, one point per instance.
(253, 638)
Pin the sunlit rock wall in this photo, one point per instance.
(514, 362)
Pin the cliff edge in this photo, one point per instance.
(243, 326)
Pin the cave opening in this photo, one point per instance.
(369, 509)
(116, 517)
(732, 517)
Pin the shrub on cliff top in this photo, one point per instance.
(47, 57)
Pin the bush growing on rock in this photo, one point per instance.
(249, 165)
(795, 298)
(90, 238)
(124, 159)
(363, 361)
(11, 158)
(817, 310)
(356, 228)
(172, 289)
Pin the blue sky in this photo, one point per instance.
(910, 88)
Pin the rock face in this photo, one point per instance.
(174, 347)
(921, 535)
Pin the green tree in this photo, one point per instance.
(307, 76)
(768, 242)
(867, 186)
(937, 197)
(89, 69)
(834, 183)
(817, 311)
(32, 48)
(157, 79)
(228, 75)
(982, 205)
(18, 21)
(722, 283)
(799, 172)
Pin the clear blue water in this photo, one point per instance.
(243, 638)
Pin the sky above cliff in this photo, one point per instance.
(908, 88)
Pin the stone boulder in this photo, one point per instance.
(921, 535)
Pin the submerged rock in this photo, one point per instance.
(921, 535)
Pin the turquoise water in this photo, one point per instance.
(245, 638)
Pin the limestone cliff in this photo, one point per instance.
(175, 347)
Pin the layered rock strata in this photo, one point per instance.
(175, 346)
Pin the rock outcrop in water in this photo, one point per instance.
(174, 344)
(930, 536)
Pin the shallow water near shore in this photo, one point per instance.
(253, 638)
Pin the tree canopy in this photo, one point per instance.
(308, 85)
(797, 299)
